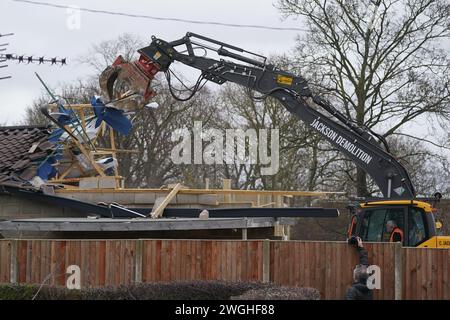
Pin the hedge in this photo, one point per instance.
(181, 290)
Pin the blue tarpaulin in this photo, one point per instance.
(46, 169)
(112, 116)
(66, 116)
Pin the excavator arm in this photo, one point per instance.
(357, 143)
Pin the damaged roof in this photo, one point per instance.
(22, 149)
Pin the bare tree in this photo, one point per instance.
(79, 92)
(151, 165)
(379, 61)
(105, 52)
(302, 163)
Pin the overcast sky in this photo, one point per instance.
(41, 30)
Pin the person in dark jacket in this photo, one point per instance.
(359, 289)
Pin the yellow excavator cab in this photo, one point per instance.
(410, 221)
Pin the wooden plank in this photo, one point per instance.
(173, 259)
(108, 263)
(120, 262)
(228, 273)
(243, 259)
(235, 257)
(250, 260)
(152, 265)
(414, 275)
(301, 258)
(62, 256)
(22, 260)
(423, 275)
(76, 248)
(260, 260)
(198, 258)
(131, 256)
(439, 272)
(92, 260)
(187, 260)
(214, 262)
(170, 259)
(158, 257)
(157, 213)
(187, 267)
(431, 275)
(379, 260)
(146, 261)
(238, 258)
(114, 154)
(407, 273)
(203, 261)
(281, 259)
(84, 263)
(178, 256)
(35, 270)
(210, 260)
(45, 262)
(339, 290)
(53, 264)
(256, 261)
(226, 187)
(116, 262)
(5, 261)
(88, 253)
(328, 275)
(322, 261)
(279, 264)
(193, 259)
(302, 255)
(446, 275)
(390, 265)
(164, 254)
(101, 263)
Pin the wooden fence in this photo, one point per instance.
(407, 273)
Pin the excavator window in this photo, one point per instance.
(416, 227)
(374, 223)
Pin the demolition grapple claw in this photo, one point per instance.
(127, 85)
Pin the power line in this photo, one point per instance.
(161, 18)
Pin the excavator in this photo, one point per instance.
(398, 207)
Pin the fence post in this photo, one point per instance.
(13, 262)
(398, 270)
(266, 261)
(138, 262)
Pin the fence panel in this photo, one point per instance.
(426, 274)
(167, 260)
(102, 263)
(328, 266)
